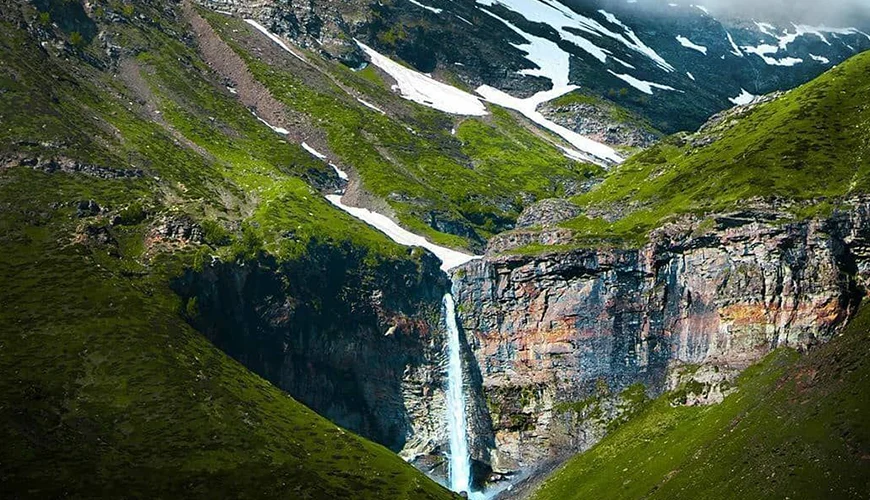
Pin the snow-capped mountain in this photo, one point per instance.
(672, 63)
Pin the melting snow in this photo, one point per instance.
(431, 9)
(763, 52)
(341, 173)
(734, 48)
(566, 22)
(744, 98)
(370, 106)
(320, 156)
(821, 59)
(553, 63)
(620, 61)
(784, 39)
(273, 37)
(685, 42)
(425, 90)
(449, 258)
(528, 107)
(282, 131)
(575, 155)
(643, 86)
(313, 152)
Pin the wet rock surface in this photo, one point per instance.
(563, 339)
(361, 346)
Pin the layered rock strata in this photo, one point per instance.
(563, 339)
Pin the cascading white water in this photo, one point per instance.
(459, 459)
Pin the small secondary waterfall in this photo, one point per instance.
(459, 458)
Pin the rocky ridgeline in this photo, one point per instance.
(66, 165)
(600, 124)
(563, 339)
(321, 26)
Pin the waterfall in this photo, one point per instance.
(459, 458)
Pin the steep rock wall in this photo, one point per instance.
(362, 345)
(556, 332)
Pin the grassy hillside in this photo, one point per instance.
(474, 174)
(810, 145)
(107, 391)
(797, 427)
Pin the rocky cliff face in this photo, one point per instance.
(563, 339)
(361, 345)
(604, 123)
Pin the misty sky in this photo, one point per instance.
(841, 13)
(811, 11)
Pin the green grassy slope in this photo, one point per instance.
(106, 390)
(810, 145)
(797, 427)
(480, 178)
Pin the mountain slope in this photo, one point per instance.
(654, 57)
(114, 180)
(701, 254)
(794, 428)
(805, 151)
(108, 392)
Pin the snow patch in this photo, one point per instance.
(370, 106)
(341, 173)
(821, 59)
(313, 152)
(567, 23)
(430, 9)
(734, 48)
(280, 130)
(685, 42)
(744, 98)
(425, 90)
(573, 154)
(620, 61)
(529, 108)
(275, 38)
(785, 38)
(449, 258)
(552, 62)
(643, 86)
(764, 51)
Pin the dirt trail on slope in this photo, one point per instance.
(253, 94)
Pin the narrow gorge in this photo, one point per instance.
(541, 354)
